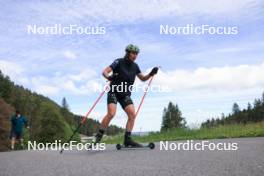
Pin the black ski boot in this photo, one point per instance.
(128, 142)
(97, 138)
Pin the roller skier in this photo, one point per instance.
(124, 70)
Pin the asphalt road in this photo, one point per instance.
(247, 160)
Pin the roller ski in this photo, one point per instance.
(120, 146)
(131, 144)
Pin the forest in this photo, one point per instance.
(48, 120)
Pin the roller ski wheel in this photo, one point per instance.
(151, 146)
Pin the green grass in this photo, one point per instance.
(227, 131)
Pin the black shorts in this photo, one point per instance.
(123, 100)
(16, 135)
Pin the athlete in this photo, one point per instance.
(17, 123)
(124, 70)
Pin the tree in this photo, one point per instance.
(68, 116)
(165, 120)
(258, 111)
(172, 117)
(206, 124)
(64, 104)
(5, 87)
(249, 107)
(52, 126)
(262, 98)
(253, 113)
(235, 109)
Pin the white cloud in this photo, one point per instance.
(226, 79)
(83, 89)
(47, 89)
(113, 11)
(216, 78)
(81, 83)
(14, 71)
(223, 7)
(70, 86)
(83, 75)
(10, 68)
(69, 55)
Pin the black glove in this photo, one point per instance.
(154, 71)
(112, 77)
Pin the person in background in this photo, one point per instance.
(17, 123)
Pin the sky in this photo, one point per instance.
(205, 74)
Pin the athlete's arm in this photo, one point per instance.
(106, 72)
(146, 77)
(143, 77)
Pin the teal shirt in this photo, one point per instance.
(18, 123)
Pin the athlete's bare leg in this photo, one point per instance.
(131, 114)
(111, 110)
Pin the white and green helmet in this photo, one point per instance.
(132, 48)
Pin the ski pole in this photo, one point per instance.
(145, 93)
(85, 117)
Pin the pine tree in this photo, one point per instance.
(65, 111)
(257, 112)
(262, 98)
(172, 117)
(235, 109)
(64, 104)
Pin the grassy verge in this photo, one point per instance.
(227, 131)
